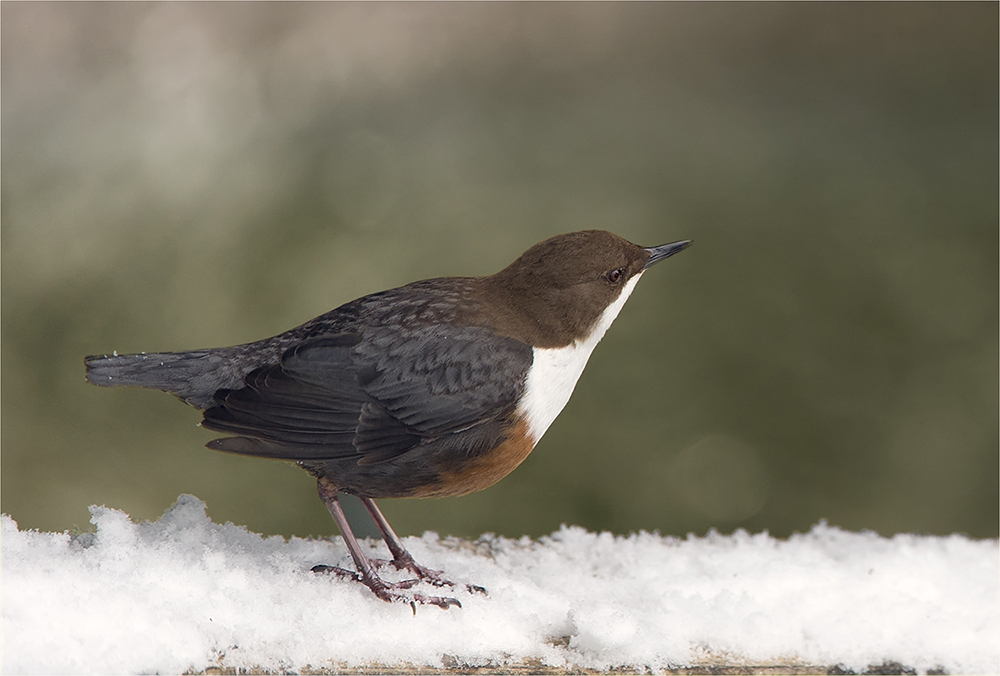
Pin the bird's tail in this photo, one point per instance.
(192, 376)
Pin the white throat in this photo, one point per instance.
(554, 371)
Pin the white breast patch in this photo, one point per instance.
(554, 371)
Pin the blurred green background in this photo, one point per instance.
(179, 176)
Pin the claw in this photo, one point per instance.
(339, 572)
(386, 591)
(444, 602)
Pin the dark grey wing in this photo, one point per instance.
(374, 398)
(289, 411)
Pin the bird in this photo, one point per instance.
(437, 388)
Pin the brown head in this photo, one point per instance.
(557, 290)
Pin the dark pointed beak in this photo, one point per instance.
(658, 253)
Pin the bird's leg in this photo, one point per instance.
(328, 494)
(366, 573)
(401, 558)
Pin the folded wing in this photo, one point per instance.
(371, 397)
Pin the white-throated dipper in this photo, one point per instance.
(438, 388)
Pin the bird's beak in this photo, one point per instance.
(658, 253)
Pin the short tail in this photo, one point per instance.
(195, 377)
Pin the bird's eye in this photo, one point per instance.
(615, 276)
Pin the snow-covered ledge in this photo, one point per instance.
(187, 594)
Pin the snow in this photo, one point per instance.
(185, 593)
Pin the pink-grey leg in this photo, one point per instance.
(366, 572)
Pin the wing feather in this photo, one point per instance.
(371, 396)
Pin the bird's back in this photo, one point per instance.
(355, 390)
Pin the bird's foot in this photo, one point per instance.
(429, 575)
(424, 574)
(388, 591)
